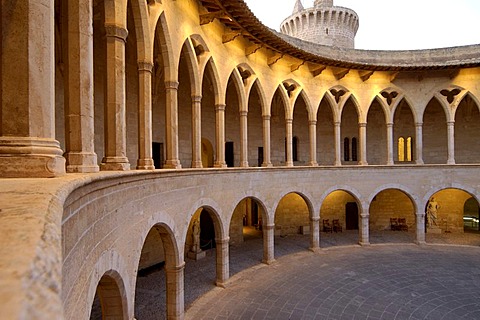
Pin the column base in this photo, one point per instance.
(220, 165)
(269, 261)
(267, 165)
(172, 164)
(244, 164)
(196, 255)
(115, 164)
(26, 157)
(81, 162)
(145, 164)
(313, 164)
(364, 243)
(419, 162)
(421, 243)
(450, 161)
(197, 164)
(289, 164)
(221, 284)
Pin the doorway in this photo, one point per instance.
(351, 216)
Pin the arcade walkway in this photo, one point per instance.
(342, 281)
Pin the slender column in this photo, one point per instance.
(220, 135)
(175, 291)
(420, 232)
(27, 120)
(289, 140)
(338, 144)
(115, 125)
(419, 143)
(313, 142)
(364, 229)
(243, 139)
(314, 233)
(197, 132)
(267, 162)
(390, 161)
(172, 161)
(79, 105)
(145, 160)
(268, 244)
(222, 262)
(451, 142)
(363, 144)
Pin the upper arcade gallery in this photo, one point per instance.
(145, 85)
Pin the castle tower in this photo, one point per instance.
(323, 24)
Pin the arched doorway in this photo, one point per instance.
(292, 225)
(108, 302)
(246, 235)
(392, 217)
(339, 220)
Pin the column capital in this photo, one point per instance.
(315, 219)
(337, 123)
(268, 227)
(389, 124)
(145, 66)
(266, 117)
(220, 107)
(362, 124)
(288, 121)
(116, 31)
(171, 85)
(243, 113)
(197, 99)
(312, 122)
(222, 241)
(451, 123)
(178, 268)
(418, 124)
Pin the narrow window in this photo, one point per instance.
(295, 149)
(346, 149)
(401, 149)
(354, 149)
(409, 149)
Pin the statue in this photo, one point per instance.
(196, 236)
(432, 208)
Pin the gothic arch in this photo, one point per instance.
(162, 35)
(211, 71)
(192, 66)
(238, 83)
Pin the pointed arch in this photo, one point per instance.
(238, 83)
(142, 30)
(162, 35)
(211, 71)
(192, 66)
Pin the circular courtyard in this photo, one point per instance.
(401, 281)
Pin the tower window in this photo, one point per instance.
(346, 149)
(326, 30)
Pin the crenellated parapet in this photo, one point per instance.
(323, 24)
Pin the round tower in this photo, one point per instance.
(323, 24)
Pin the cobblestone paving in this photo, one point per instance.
(341, 281)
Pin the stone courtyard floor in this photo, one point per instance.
(390, 279)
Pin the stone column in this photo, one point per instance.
(244, 139)
(223, 266)
(363, 144)
(27, 123)
(364, 229)
(420, 232)
(419, 143)
(197, 132)
(267, 162)
(338, 144)
(145, 160)
(314, 233)
(220, 135)
(175, 291)
(288, 143)
(313, 142)
(390, 142)
(451, 142)
(171, 122)
(115, 125)
(79, 105)
(268, 244)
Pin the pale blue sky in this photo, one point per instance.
(395, 25)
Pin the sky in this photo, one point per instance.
(394, 25)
